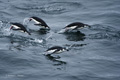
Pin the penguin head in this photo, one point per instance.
(11, 27)
(66, 49)
(30, 19)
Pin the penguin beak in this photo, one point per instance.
(88, 26)
(30, 19)
(66, 49)
(11, 27)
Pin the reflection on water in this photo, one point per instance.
(40, 31)
(75, 36)
(20, 42)
(43, 31)
(55, 59)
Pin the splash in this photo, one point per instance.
(25, 21)
(1, 23)
(37, 40)
(5, 31)
(61, 31)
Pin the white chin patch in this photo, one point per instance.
(16, 27)
(51, 51)
(72, 27)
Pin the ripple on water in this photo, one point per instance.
(51, 8)
(104, 32)
(60, 7)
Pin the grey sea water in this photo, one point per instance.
(94, 53)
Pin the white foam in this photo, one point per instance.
(25, 21)
(1, 23)
(6, 31)
(37, 40)
(61, 31)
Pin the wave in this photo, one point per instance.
(51, 8)
(104, 32)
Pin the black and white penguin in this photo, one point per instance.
(55, 50)
(39, 22)
(74, 26)
(19, 27)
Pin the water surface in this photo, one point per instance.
(94, 54)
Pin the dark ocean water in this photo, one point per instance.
(95, 56)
